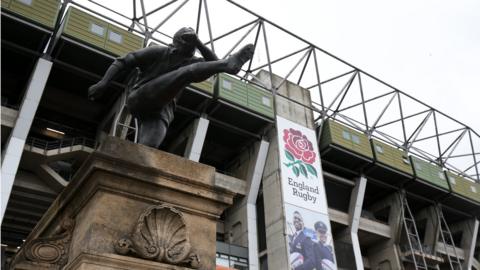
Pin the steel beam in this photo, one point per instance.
(241, 39)
(374, 126)
(417, 131)
(293, 69)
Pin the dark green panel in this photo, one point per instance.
(99, 33)
(232, 90)
(464, 187)
(44, 12)
(121, 42)
(429, 172)
(6, 3)
(338, 134)
(85, 27)
(391, 156)
(259, 100)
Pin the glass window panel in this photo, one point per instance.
(266, 101)
(355, 139)
(452, 180)
(97, 29)
(26, 2)
(418, 166)
(346, 135)
(379, 149)
(227, 85)
(115, 37)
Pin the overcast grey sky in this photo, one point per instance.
(429, 49)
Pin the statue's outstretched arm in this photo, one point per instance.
(207, 54)
(120, 64)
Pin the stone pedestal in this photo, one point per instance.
(130, 207)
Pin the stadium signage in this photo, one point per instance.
(309, 241)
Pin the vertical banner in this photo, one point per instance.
(309, 238)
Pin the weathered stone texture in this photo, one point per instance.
(110, 192)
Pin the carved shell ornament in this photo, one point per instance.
(161, 235)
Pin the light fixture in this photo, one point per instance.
(56, 131)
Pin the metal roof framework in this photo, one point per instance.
(338, 89)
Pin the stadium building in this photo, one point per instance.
(400, 178)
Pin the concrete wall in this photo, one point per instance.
(386, 255)
(272, 195)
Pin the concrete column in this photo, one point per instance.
(277, 251)
(195, 142)
(469, 239)
(354, 211)
(253, 185)
(16, 142)
(274, 214)
(432, 229)
(241, 222)
(388, 252)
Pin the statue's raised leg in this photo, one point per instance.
(161, 90)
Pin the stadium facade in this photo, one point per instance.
(398, 186)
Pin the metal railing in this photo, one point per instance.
(60, 144)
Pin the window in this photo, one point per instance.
(346, 135)
(452, 180)
(97, 29)
(379, 149)
(231, 261)
(355, 139)
(26, 2)
(266, 101)
(418, 167)
(117, 38)
(227, 85)
(441, 175)
(473, 189)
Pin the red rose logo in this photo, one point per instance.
(298, 145)
(299, 150)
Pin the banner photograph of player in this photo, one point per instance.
(309, 240)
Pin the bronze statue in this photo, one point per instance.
(160, 75)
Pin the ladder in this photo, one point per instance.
(412, 235)
(123, 126)
(453, 261)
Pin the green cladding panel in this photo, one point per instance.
(260, 100)
(44, 12)
(232, 90)
(391, 156)
(464, 187)
(428, 172)
(340, 135)
(6, 3)
(121, 42)
(205, 86)
(94, 31)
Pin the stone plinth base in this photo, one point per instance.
(130, 207)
